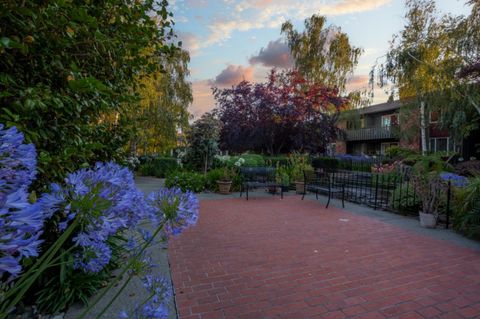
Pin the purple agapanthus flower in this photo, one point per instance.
(21, 222)
(156, 307)
(177, 209)
(455, 179)
(115, 205)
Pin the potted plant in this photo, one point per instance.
(282, 178)
(429, 188)
(298, 164)
(225, 182)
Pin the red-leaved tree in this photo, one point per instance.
(287, 113)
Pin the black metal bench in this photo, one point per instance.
(322, 181)
(255, 177)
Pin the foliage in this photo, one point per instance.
(88, 224)
(423, 63)
(468, 168)
(67, 73)
(286, 113)
(432, 162)
(229, 171)
(322, 54)
(398, 152)
(403, 198)
(202, 139)
(162, 110)
(429, 187)
(186, 181)
(158, 166)
(298, 163)
(212, 177)
(274, 160)
(21, 222)
(466, 208)
(247, 159)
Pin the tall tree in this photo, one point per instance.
(162, 111)
(322, 54)
(424, 60)
(202, 139)
(285, 114)
(68, 71)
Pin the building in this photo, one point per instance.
(377, 127)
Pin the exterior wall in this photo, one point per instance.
(340, 147)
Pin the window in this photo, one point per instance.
(442, 144)
(434, 116)
(389, 120)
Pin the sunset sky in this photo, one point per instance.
(232, 40)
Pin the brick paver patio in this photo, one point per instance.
(272, 258)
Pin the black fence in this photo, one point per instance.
(392, 191)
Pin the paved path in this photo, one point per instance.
(273, 258)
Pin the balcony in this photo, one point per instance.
(371, 133)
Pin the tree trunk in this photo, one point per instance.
(423, 128)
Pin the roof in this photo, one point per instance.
(383, 107)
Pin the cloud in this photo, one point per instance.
(203, 100)
(358, 82)
(190, 42)
(276, 54)
(257, 14)
(234, 74)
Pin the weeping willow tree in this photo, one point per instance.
(161, 115)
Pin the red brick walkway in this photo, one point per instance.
(272, 258)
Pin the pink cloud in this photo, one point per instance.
(276, 54)
(234, 74)
(203, 100)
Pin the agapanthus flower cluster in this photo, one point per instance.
(177, 209)
(156, 306)
(21, 223)
(106, 201)
(455, 179)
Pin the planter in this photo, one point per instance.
(428, 220)
(224, 187)
(300, 187)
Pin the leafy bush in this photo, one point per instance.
(67, 75)
(468, 168)
(403, 198)
(466, 208)
(274, 160)
(158, 166)
(251, 160)
(186, 181)
(328, 163)
(399, 152)
(212, 177)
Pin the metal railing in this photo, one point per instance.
(371, 133)
(387, 191)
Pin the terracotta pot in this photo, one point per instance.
(428, 220)
(300, 187)
(224, 187)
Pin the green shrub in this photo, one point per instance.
(251, 160)
(399, 152)
(276, 160)
(192, 181)
(212, 177)
(466, 209)
(327, 163)
(403, 198)
(158, 167)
